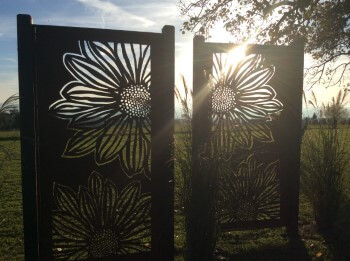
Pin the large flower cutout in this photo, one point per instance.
(250, 191)
(242, 101)
(98, 221)
(108, 104)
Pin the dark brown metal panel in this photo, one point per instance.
(255, 123)
(78, 33)
(246, 225)
(94, 138)
(162, 116)
(254, 48)
(26, 77)
(93, 141)
(288, 130)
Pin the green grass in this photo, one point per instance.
(263, 244)
(11, 227)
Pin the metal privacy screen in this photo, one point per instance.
(247, 105)
(97, 110)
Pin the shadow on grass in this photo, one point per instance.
(339, 241)
(9, 138)
(276, 247)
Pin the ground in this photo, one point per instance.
(263, 244)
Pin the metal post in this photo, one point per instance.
(295, 145)
(26, 76)
(162, 139)
(201, 98)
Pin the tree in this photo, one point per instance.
(314, 117)
(324, 26)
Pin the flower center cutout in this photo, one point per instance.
(247, 211)
(243, 103)
(223, 99)
(103, 243)
(135, 101)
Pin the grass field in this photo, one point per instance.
(263, 244)
(11, 228)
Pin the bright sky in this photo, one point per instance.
(138, 15)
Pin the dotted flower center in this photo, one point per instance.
(103, 243)
(223, 99)
(136, 101)
(247, 211)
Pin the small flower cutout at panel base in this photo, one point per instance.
(100, 221)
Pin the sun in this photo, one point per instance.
(232, 58)
(237, 54)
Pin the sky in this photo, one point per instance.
(136, 15)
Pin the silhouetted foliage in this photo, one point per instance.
(314, 117)
(9, 114)
(324, 25)
(334, 112)
(9, 120)
(325, 158)
(199, 192)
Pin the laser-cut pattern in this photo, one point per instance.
(108, 104)
(250, 191)
(242, 101)
(100, 221)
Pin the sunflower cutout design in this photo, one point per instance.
(242, 101)
(108, 105)
(250, 192)
(100, 221)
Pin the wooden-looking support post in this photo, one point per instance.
(295, 145)
(26, 77)
(201, 124)
(162, 166)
